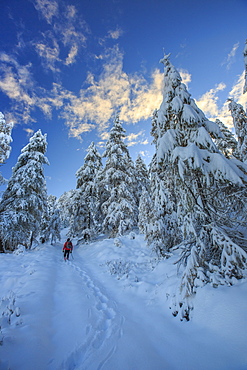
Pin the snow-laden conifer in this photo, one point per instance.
(5, 140)
(227, 144)
(65, 204)
(118, 179)
(240, 124)
(142, 176)
(245, 62)
(208, 191)
(86, 205)
(25, 199)
(52, 222)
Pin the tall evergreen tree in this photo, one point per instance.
(245, 62)
(205, 189)
(240, 124)
(118, 178)
(142, 176)
(5, 140)
(227, 144)
(65, 205)
(85, 211)
(51, 225)
(25, 199)
(86, 208)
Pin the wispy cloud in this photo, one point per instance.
(66, 35)
(47, 8)
(72, 55)
(231, 56)
(115, 34)
(49, 54)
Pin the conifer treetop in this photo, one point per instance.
(245, 62)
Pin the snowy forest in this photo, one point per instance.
(190, 201)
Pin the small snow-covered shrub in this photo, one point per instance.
(9, 314)
(20, 249)
(118, 242)
(118, 267)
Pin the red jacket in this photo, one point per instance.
(68, 246)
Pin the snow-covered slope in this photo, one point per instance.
(108, 308)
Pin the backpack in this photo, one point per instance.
(69, 245)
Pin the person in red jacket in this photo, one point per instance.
(67, 249)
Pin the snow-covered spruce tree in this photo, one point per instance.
(209, 193)
(87, 207)
(79, 214)
(54, 227)
(25, 199)
(150, 223)
(142, 176)
(240, 124)
(118, 179)
(65, 204)
(227, 144)
(5, 140)
(52, 223)
(245, 62)
(51, 201)
(162, 230)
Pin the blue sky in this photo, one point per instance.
(68, 67)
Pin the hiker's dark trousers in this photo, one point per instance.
(66, 254)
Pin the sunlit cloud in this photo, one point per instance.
(132, 96)
(144, 97)
(17, 84)
(186, 76)
(29, 131)
(208, 103)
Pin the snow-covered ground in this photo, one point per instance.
(108, 308)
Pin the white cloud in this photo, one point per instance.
(65, 35)
(17, 84)
(72, 55)
(115, 34)
(230, 57)
(209, 102)
(134, 139)
(186, 76)
(132, 96)
(29, 131)
(48, 9)
(49, 55)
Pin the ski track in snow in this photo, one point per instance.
(69, 320)
(105, 325)
(57, 315)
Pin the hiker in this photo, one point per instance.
(67, 249)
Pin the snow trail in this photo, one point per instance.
(76, 315)
(67, 316)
